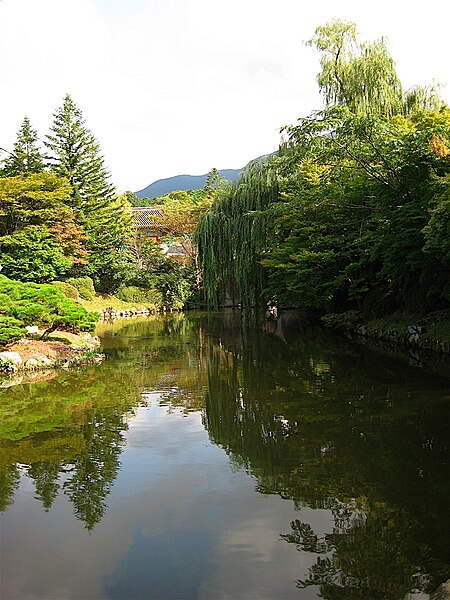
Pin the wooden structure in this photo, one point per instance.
(144, 219)
(145, 223)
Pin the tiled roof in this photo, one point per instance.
(145, 216)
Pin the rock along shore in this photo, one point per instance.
(62, 350)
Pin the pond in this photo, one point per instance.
(205, 459)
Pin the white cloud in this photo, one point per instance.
(179, 86)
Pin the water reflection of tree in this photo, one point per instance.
(45, 475)
(96, 469)
(9, 482)
(315, 420)
(371, 554)
(67, 433)
(79, 457)
(332, 426)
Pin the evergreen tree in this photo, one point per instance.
(26, 157)
(77, 157)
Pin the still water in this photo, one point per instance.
(205, 460)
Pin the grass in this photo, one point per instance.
(396, 323)
(440, 330)
(434, 326)
(101, 301)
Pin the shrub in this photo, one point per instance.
(11, 329)
(44, 304)
(33, 255)
(69, 290)
(140, 295)
(342, 321)
(84, 285)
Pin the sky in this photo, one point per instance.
(172, 87)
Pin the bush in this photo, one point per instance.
(343, 321)
(69, 290)
(44, 304)
(84, 286)
(11, 329)
(139, 295)
(112, 270)
(33, 255)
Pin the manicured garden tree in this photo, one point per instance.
(23, 304)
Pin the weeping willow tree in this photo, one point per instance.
(232, 237)
(362, 76)
(287, 225)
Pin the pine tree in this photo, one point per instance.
(77, 157)
(26, 157)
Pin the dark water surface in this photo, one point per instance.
(205, 461)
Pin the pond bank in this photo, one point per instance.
(63, 349)
(429, 332)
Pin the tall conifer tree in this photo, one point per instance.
(26, 157)
(77, 157)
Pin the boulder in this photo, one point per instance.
(443, 592)
(44, 360)
(32, 329)
(31, 363)
(11, 360)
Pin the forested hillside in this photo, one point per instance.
(161, 187)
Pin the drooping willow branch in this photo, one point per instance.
(232, 236)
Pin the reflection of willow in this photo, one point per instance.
(314, 426)
(370, 555)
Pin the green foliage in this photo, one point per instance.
(77, 158)
(25, 158)
(32, 255)
(232, 237)
(45, 305)
(175, 287)
(35, 199)
(362, 76)
(83, 285)
(111, 270)
(214, 183)
(140, 295)
(133, 200)
(69, 290)
(11, 329)
(346, 321)
(359, 220)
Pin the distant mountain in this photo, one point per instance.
(183, 182)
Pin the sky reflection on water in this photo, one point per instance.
(202, 462)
